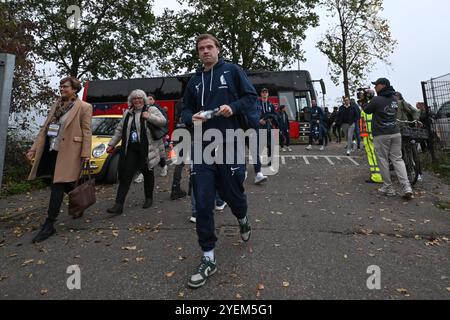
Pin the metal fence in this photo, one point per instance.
(436, 94)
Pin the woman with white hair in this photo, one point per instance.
(140, 152)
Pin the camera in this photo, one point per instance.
(364, 95)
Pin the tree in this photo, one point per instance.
(110, 38)
(257, 34)
(358, 39)
(31, 90)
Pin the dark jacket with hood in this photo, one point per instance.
(384, 109)
(224, 84)
(348, 115)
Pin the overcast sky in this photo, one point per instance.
(422, 29)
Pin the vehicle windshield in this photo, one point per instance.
(104, 126)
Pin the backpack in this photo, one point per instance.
(249, 120)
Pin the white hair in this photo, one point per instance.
(138, 93)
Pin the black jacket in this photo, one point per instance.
(384, 109)
(353, 115)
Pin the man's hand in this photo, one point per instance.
(85, 159)
(30, 155)
(225, 111)
(110, 149)
(197, 118)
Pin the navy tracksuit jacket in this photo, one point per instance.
(225, 84)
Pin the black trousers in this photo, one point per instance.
(133, 162)
(57, 189)
(56, 198)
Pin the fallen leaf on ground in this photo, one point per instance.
(285, 284)
(140, 259)
(131, 248)
(115, 233)
(402, 291)
(169, 274)
(260, 286)
(238, 296)
(41, 262)
(181, 294)
(27, 262)
(44, 291)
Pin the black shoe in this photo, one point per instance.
(117, 209)
(148, 203)
(46, 232)
(177, 194)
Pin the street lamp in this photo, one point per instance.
(297, 46)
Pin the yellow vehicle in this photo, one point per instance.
(103, 165)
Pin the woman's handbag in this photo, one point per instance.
(83, 195)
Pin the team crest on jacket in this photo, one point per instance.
(222, 80)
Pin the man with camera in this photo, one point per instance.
(365, 125)
(387, 137)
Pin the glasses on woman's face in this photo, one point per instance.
(64, 86)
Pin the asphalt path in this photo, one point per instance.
(317, 229)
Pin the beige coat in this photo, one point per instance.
(156, 118)
(75, 143)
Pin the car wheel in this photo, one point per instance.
(113, 170)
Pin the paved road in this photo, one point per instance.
(317, 229)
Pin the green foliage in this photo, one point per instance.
(357, 39)
(31, 90)
(257, 34)
(111, 39)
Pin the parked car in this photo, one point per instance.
(104, 166)
(442, 124)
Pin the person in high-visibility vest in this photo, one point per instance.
(365, 125)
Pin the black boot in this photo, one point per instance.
(117, 209)
(46, 232)
(148, 203)
(177, 193)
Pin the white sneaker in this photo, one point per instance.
(348, 153)
(309, 147)
(221, 208)
(260, 178)
(193, 219)
(322, 148)
(139, 179)
(283, 149)
(289, 149)
(419, 178)
(164, 171)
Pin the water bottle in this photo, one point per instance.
(209, 114)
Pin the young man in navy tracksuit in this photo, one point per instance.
(223, 86)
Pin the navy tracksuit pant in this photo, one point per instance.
(228, 180)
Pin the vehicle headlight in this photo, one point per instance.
(99, 150)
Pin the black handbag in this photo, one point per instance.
(83, 195)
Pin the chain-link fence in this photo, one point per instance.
(436, 113)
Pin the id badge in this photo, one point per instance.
(53, 130)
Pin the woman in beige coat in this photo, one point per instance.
(139, 150)
(62, 146)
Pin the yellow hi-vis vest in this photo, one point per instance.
(365, 125)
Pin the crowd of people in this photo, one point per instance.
(64, 144)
